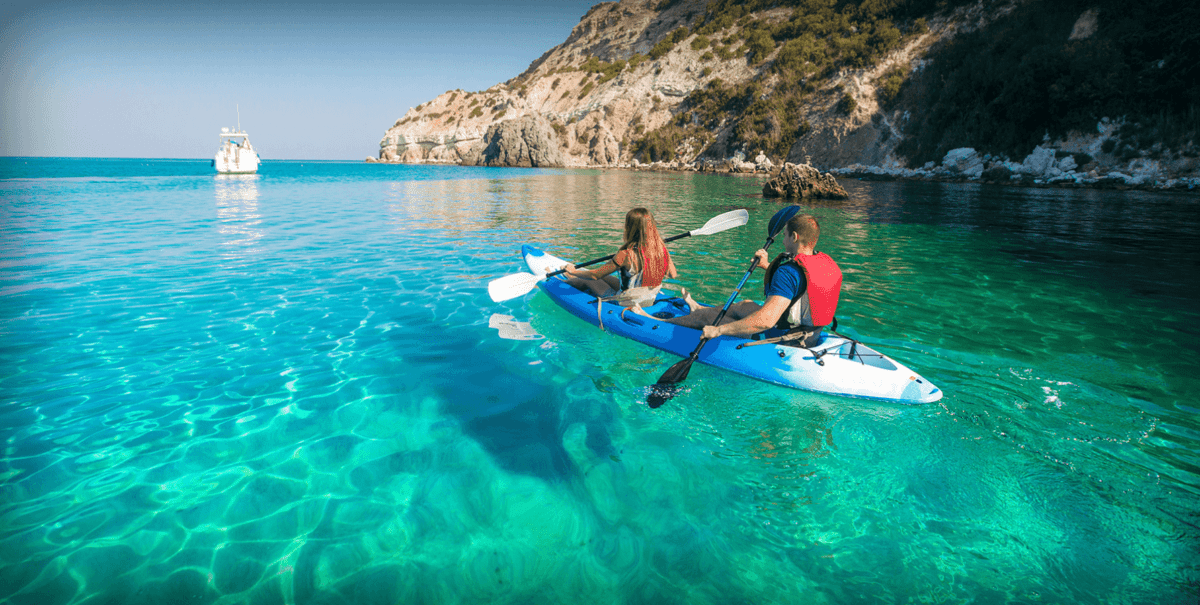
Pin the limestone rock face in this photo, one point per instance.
(763, 163)
(1038, 162)
(603, 147)
(528, 142)
(597, 116)
(965, 161)
(802, 180)
(1086, 25)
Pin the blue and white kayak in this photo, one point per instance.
(836, 365)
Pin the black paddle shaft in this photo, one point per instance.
(725, 309)
(666, 388)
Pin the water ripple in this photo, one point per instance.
(283, 388)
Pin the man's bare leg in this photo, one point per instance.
(705, 315)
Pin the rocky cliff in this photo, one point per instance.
(598, 90)
(691, 84)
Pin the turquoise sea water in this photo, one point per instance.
(282, 388)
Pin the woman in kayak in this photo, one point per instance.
(642, 261)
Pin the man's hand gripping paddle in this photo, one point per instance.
(668, 385)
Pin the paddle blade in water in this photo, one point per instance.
(661, 394)
(512, 286)
(668, 384)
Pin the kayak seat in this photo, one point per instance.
(677, 302)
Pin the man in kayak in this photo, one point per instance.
(801, 288)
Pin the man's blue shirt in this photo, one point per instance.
(788, 282)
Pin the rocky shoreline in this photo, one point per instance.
(943, 173)
(1045, 167)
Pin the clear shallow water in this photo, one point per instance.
(283, 389)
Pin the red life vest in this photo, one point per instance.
(816, 305)
(627, 275)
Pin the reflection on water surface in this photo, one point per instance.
(287, 389)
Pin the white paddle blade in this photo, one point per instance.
(512, 286)
(722, 222)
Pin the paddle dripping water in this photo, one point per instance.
(284, 388)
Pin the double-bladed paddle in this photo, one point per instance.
(517, 284)
(668, 384)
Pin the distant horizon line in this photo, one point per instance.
(103, 157)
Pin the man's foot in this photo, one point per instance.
(687, 298)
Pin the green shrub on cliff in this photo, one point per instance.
(718, 24)
(665, 45)
(818, 37)
(607, 71)
(847, 104)
(659, 145)
(711, 104)
(801, 55)
(759, 44)
(890, 83)
(724, 51)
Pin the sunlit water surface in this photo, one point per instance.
(282, 388)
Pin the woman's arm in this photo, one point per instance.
(606, 269)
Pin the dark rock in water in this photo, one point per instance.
(802, 180)
(999, 174)
(527, 142)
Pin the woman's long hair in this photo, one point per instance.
(641, 235)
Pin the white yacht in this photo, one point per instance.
(235, 156)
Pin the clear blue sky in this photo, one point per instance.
(314, 80)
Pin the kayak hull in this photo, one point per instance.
(835, 366)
